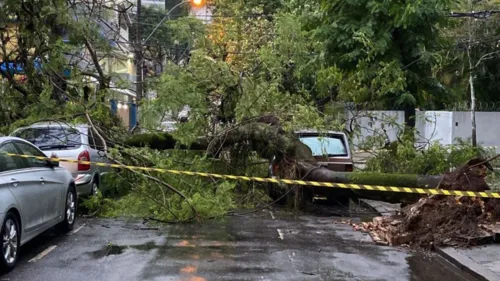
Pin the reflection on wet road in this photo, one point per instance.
(262, 246)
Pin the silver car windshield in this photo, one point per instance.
(328, 146)
(52, 138)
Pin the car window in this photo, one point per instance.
(330, 146)
(52, 138)
(27, 149)
(95, 141)
(8, 163)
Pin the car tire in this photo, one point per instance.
(10, 233)
(69, 211)
(276, 191)
(95, 187)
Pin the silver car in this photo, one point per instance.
(35, 195)
(65, 141)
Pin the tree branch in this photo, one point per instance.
(139, 173)
(485, 56)
(102, 79)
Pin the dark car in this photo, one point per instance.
(331, 149)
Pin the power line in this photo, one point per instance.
(251, 15)
(182, 49)
(478, 15)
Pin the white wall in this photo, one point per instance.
(373, 123)
(487, 126)
(435, 126)
(441, 126)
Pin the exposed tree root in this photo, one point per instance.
(443, 220)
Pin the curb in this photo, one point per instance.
(450, 254)
(382, 208)
(466, 264)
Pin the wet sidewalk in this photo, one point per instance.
(482, 262)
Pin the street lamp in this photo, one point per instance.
(139, 43)
(196, 3)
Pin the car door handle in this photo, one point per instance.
(14, 182)
(42, 180)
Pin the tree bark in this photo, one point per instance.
(472, 100)
(401, 180)
(471, 82)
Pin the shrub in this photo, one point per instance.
(403, 157)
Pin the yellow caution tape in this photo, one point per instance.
(382, 149)
(286, 181)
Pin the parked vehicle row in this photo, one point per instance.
(70, 142)
(36, 195)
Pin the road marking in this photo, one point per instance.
(272, 216)
(43, 254)
(78, 229)
(280, 232)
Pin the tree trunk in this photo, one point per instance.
(410, 114)
(360, 178)
(471, 84)
(472, 104)
(400, 180)
(265, 136)
(261, 136)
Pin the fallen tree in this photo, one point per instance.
(268, 139)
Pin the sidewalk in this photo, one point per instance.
(483, 262)
(383, 208)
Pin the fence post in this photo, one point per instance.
(114, 106)
(132, 115)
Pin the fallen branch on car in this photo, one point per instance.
(155, 179)
(268, 139)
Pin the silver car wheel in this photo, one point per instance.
(9, 244)
(95, 187)
(70, 207)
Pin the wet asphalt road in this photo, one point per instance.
(262, 246)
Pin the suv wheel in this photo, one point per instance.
(276, 191)
(10, 242)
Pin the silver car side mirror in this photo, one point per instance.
(52, 164)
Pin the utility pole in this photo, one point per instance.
(471, 77)
(472, 66)
(139, 71)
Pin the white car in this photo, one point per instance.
(73, 142)
(35, 195)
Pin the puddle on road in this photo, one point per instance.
(109, 250)
(113, 250)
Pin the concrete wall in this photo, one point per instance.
(373, 123)
(434, 126)
(443, 127)
(487, 126)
